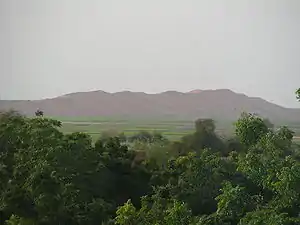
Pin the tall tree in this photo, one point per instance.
(250, 128)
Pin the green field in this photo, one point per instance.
(171, 128)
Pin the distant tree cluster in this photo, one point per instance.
(39, 113)
(48, 177)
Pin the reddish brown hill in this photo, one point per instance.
(218, 104)
(197, 91)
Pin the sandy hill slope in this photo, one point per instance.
(220, 104)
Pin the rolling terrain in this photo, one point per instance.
(221, 104)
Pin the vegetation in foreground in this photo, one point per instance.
(48, 177)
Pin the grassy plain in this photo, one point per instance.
(173, 129)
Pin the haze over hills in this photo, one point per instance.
(222, 104)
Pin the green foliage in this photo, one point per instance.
(155, 211)
(51, 178)
(158, 151)
(15, 220)
(106, 135)
(147, 137)
(234, 144)
(48, 177)
(207, 125)
(266, 217)
(298, 94)
(195, 179)
(250, 128)
(233, 202)
(203, 137)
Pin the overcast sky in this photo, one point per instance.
(53, 47)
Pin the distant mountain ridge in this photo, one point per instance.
(221, 104)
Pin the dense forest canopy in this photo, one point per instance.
(48, 177)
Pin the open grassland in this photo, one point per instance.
(173, 129)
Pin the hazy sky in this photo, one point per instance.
(52, 47)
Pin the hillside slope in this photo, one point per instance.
(220, 104)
